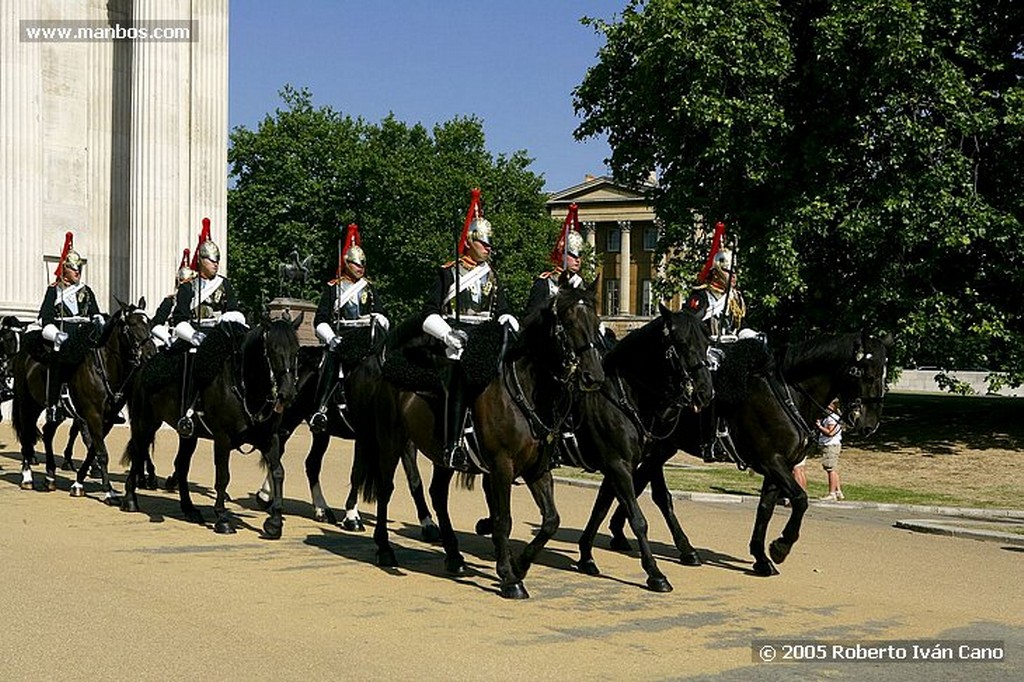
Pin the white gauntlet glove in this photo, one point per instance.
(455, 341)
(381, 320)
(510, 320)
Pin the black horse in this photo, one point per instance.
(11, 329)
(349, 413)
(655, 378)
(771, 427)
(246, 379)
(558, 348)
(95, 385)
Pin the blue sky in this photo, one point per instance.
(511, 63)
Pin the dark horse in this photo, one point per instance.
(558, 348)
(11, 329)
(252, 382)
(655, 378)
(361, 357)
(771, 438)
(95, 385)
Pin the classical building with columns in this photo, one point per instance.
(621, 228)
(122, 142)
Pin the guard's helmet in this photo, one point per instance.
(480, 230)
(355, 254)
(184, 274)
(209, 250)
(574, 244)
(73, 261)
(722, 261)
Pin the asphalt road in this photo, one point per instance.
(90, 592)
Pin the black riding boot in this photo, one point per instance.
(455, 454)
(329, 384)
(55, 412)
(186, 426)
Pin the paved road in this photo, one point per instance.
(88, 591)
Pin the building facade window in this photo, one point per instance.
(650, 239)
(647, 298)
(611, 297)
(614, 240)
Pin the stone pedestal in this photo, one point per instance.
(294, 307)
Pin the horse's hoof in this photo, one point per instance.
(353, 525)
(68, 465)
(455, 565)
(689, 559)
(171, 484)
(765, 568)
(27, 485)
(51, 484)
(262, 503)
(194, 516)
(779, 550)
(386, 558)
(322, 515)
(129, 505)
(430, 532)
(620, 544)
(223, 527)
(659, 583)
(95, 472)
(514, 591)
(272, 528)
(151, 482)
(112, 500)
(77, 489)
(588, 567)
(485, 526)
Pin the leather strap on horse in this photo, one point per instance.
(781, 390)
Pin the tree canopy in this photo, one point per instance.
(866, 153)
(306, 172)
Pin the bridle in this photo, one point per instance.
(267, 409)
(571, 354)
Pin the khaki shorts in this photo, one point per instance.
(830, 456)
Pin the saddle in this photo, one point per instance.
(81, 339)
(743, 361)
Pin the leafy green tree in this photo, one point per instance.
(865, 152)
(306, 172)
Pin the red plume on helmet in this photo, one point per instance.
(716, 244)
(572, 222)
(352, 238)
(184, 259)
(69, 240)
(204, 236)
(473, 212)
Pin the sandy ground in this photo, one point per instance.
(88, 591)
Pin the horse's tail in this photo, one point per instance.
(366, 474)
(25, 429)
(466, 480)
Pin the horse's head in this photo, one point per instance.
(133, 329)
(10, 336)
(686, 352)
(281, 348)
(576, 330)
(863, 386)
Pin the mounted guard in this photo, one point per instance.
(466, 293)
(349, 302)
(69, 309)
(567, 256)
(201, 303)
(161, 332)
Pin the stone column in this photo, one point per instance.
(590, 234)
(21, 164)
(625, 285)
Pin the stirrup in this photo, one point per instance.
(457, 458)
(318, 421)
(186, 427)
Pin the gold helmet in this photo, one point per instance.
(210, 251)
(480, 230)
(73, 260)
(355, 254)
(574, 244)
(722, 261)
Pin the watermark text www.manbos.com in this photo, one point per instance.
(918, 651)
(60, 31)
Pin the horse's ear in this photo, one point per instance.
(142, 303)
(120, 304)
(297, 322)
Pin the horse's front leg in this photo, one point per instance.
(543, 491)
(49, 432)
(221, 452)
(428, 528)
(602, 503)
(501, 514)
(274, 523)
(90, 441)
(322, 512)
(182, 465)
(662, 497)
(69, 449)
(780, 547)
(763, 566)
(621, 480)
(441, 480)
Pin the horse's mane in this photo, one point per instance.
(817, 356)
(536, 337)
(634, 346)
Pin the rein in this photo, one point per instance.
(134, 363)
(266, 410)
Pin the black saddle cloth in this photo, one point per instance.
(416, 360)
(82, 338)
(222, 345)
(744, 361)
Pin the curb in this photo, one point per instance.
(968, 524)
